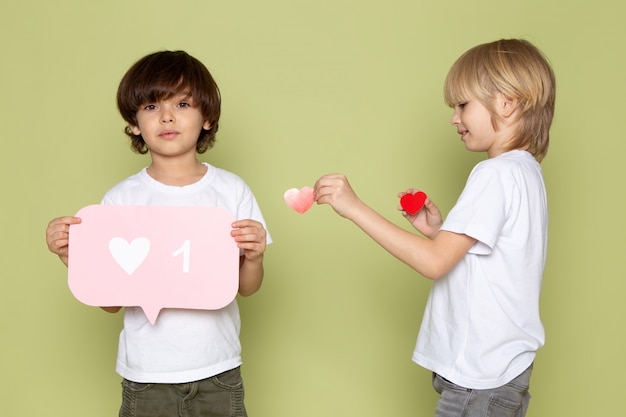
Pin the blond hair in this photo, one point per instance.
(519, 71)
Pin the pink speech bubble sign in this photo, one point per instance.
(153, 257)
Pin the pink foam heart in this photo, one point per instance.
(300, 200)
(412, 203)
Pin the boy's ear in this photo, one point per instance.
(135, 130)
(206, 125)
(508, 105)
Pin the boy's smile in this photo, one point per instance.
(463, 133)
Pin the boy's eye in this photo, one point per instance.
(184, 104)
(149, 107)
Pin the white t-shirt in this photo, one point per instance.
(183, 345)
(481, 327)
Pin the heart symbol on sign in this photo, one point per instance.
(129, 255)
(412, 203)
(300, 200)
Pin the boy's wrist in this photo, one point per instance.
(258, 259)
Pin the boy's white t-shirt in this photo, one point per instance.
(183, 345)
(481, 327)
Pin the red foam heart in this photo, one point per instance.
(412, 203)
(300, 200)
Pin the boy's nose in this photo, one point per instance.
(167, 117)
(455, 119)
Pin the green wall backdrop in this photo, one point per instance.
(310, 87)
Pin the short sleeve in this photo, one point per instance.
(480, 211)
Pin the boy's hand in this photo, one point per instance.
(250, 236)
(57, 236)
(428, 220)
(335, 190)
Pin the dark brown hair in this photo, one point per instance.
(161, 75)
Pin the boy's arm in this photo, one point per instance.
(250, 236)
(430, 257)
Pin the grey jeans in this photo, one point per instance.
(217, 396)
(510, 400)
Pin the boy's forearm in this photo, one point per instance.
(431, 258)
(250, 276)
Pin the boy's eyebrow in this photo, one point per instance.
(183, 95)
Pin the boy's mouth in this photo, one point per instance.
(168, 134)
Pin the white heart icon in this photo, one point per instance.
(129, 255)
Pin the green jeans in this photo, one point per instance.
(218, 396)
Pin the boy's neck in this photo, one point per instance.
(176, 172)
